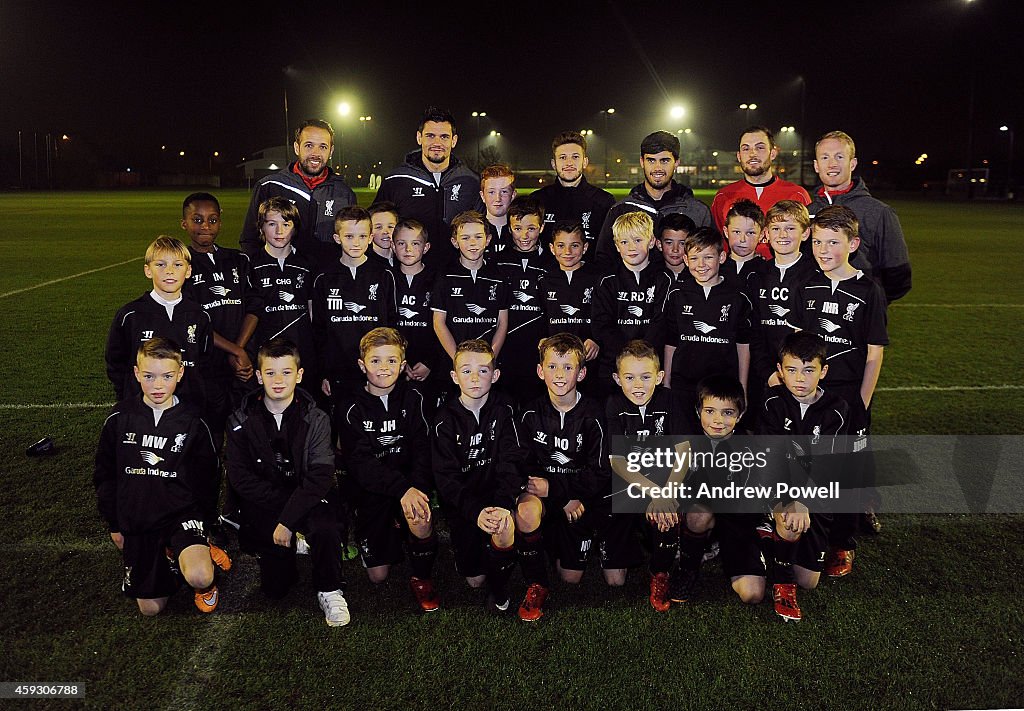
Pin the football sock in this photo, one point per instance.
(532, 561)
(500, 562)
(422, 554)
(783, 554)
(665, 548)
(691, 548)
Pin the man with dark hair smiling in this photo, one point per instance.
(658, 195)
(432, 186)
(760, 185)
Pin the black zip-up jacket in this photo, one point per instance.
(811, 442)
(773, 293)
(585, 203)
(567, 300)
(705, 329)
(478, 463)
(148, 476)
(569, 449)
(280, 297)
(628, 305)
(252, 465)
(411, 187)
(386, 448)
(345, 308)
(143, 319)
(221, 286)
(317, 208)
(415, 319)
(679, 199)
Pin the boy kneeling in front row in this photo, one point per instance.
(156, 481)
(281, 464)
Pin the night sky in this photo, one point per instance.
(129, 78)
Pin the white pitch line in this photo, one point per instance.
(56, 406)
(962, 306)
(947, 388)
(73, 276)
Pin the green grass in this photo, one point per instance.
(931, 617)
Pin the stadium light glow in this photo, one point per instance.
(677, 112)
(344, 108)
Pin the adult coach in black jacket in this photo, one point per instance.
(883, 249)
(309, 184)
(658, 195)
(432, 186)
(571, 198)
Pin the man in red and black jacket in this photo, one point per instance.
(309, 184)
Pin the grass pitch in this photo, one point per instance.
(931, 617)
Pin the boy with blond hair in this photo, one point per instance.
(630, 300)
(162, 312)
(773, 290)
(640, 409)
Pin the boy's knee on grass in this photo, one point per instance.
(749, 588)
(615, 577)
(151, 607)
(378, 573)
(529, 512)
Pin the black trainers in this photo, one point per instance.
(683, 584)
(43, 446)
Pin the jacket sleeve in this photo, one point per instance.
(510, 467)
(595, 476)
(318, 478)
(118, 355)
(447, 461)
(318, 317)
(362, 464)
(603, 320)
(893, 269)
(204, 471)
(781, 464)
(104, 476)
(418, 443)
(605, 255)
(718, 210)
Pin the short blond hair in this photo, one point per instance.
(633, 224)
(839, 136)
(789, 210)
(165, 244)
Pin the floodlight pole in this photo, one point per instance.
(803, 126)
(287, 130)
